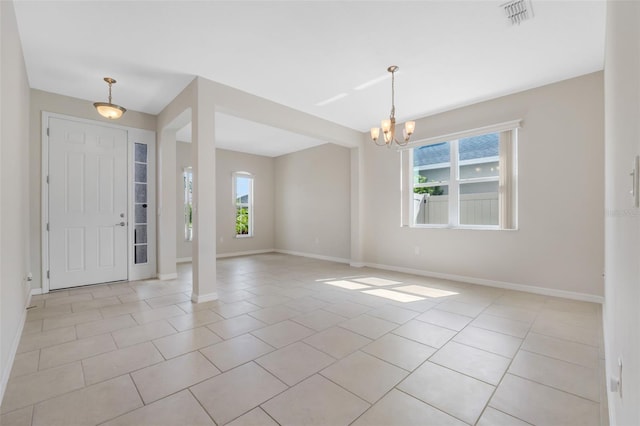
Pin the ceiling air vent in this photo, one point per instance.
(518, 11)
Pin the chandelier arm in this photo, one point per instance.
(382, 144)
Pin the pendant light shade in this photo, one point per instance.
(107, 109)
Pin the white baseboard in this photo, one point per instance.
(36, 291)
(243, 253)
(357, 264)
(314, 256)
(14, 348)
(491, 283)
(201, 298)
(165, 277)
(184, 260)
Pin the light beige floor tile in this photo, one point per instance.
(445, 319)
(502, 325)
(268, 300)
(511, 312)
(542, 405)
(393, 314)
(116, 363)
(422, 332)
(468, 309)
(32, 327)
(493, 417)
(553, 347)
(160, 380)
(193, 320)
(368, 326)
(283, 333)
(124, 308)
(145, 317)
(364, 375)
(108, 325)
(90, 405)
(473, 362)
(235, 326)
(186, 341)
(417, 306)
(21, 417)
(190, 307)
(42, 313)
(347, 309)
(487, 340)
(404, 353)
(255, 417)
(169, 299)
(399, 409)
(274, 314)
(33, 341)
(456, 394)
(237, 391)
(94, 304)
(67, 320)
(27, 390)
(75, 351)
(142, 333)
(315, 401)
(235, 296)
(233, 352)
(295, 362)
(111, 291)
(306, 304)
(230, 310)
(179, 409)
(572, 378)
(561, 330)
(337, 342)
(25, 363)
(319, 320)
(67, 299)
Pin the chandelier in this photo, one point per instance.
(107, 109)
(389, 125)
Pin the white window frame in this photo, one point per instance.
(187, 176)
(248, 204)
(507, 179)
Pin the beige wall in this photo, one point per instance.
(622, 246)
(313, 202)
(262, 169)
(183, 159)
(14, 189)
(559, 243)
(228, 162)
(51, 102)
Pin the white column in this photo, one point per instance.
(357, 181)
(204, 196)
(166, 235)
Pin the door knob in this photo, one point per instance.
(120, 224)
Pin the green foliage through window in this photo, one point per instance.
(431, 190)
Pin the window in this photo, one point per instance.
(188, 203)
(243, 200)
(466, 181)
(140, 193)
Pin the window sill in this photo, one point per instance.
(244, 236)
(467, 227)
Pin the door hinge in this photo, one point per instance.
(47, 227)
(47, 178)
(48, 275)
(47, 131)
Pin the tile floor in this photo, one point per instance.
(297, 341)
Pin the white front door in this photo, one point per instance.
(87, 204)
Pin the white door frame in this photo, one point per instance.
(148, 137)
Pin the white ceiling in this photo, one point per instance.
(303, 54)
(237, 134)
